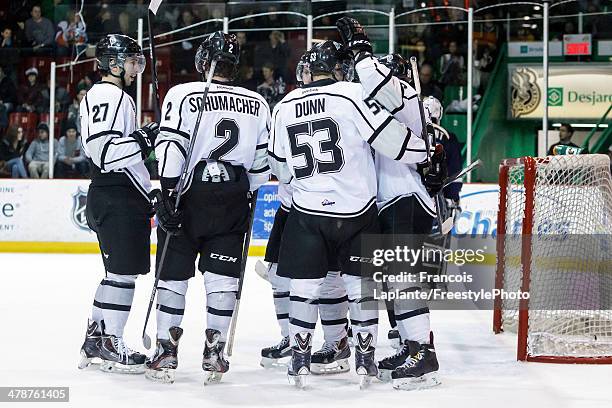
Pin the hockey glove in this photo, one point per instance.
(354, 38)
(434, 173)
(145, 137)
(169, 219)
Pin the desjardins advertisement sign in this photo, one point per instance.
(575, 91)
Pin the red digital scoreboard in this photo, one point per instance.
(577, 44)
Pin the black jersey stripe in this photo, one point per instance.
(331, 94)
(275, 157)
(174, 142)
(163, 170)
(382, 83)
(117, 110)
(403, 148)
(103, 133)
(124, 157)
(380, 129)
(175, 131)
(262, 170)
(138, 186)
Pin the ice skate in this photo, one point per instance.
(420, 370)
(299, 366)
(119, 358)
(214, 363)
(276, 356)
(90, 350)
(365, 365)
(388, 364)
(162, 366)
(332, 358)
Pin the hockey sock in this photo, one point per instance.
(170, 306)
(96, 312)
(333, 307)
(303, 306)
(413, 324)
(116, 302)
(364, 310)
(280, 291)
(220, 301)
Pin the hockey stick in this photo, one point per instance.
(146, 340)
(153, 7)
(245, 256)
(448, 224)
(463, 172)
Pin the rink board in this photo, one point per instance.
(49, 216)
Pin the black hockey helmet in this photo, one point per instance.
(398, 66)
(223, 48)
(114, 49)
(327, 56)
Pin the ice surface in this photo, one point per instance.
(45, 301)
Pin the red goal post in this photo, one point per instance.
(553, 212)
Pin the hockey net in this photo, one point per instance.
(553, 242)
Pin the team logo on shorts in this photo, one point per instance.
(326, 202)
(79, 206)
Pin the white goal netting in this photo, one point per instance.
(566, 262)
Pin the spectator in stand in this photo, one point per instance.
(37, 155)
(246, 77)
(184, 51)
(71, 37)
(87, 81)
(124, 24)
(566, 131)
(428, 85)
(276, 52)
(62, 97)
(71, 159)
(8, 92)
(39, 31)
(452, 66)
(271, 89)
(30, 95)
(73, 109)
(12, 147)
(9, 52)
(103, 23)
(246, 52)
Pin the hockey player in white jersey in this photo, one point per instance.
(229, 159)
(333, 302)
(321, 141)
(118, 207)
(404, 200)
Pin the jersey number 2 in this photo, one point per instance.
(226, 129)
(307, 150)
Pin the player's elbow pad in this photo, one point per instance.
(280, 170)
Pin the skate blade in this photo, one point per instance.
(114, 367)
(212, 377)
(384, 375)
(162, 375)
(85, 361)
(339, 366)
(428, 380)
(275, 363)
(298, 381)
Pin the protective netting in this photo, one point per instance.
(570, 269)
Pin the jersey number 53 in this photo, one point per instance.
(318, 142)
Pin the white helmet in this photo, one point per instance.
(435, 109)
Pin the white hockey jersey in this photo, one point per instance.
(108, 117)
(234, 128)
(395, 179)
(285, 192)
(320, 142)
